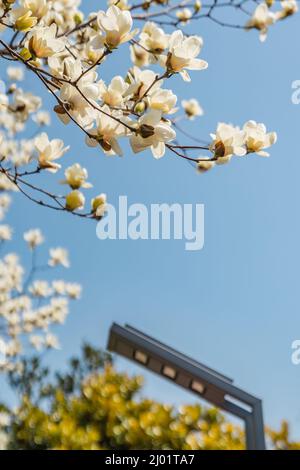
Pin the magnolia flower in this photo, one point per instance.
(163, 100)
(262, 18)
(113, 95)
(257, 139)
(76, 177)
(107, 131)
(204, 166)
(5, 233)
(40, 289)
(75, 200)
(51, 341)
(183, 53)
(59, 287)
(139, 55)
(33, 238)
(140, 81)
(42, 118)
(73, 290)
(152, 132)
(37, 341)
(116, 24)
(15, 73)
(289, 7)
(184, 15)
(48, 151)
(99, 205)
(42, 41)
(59, 256)
(227, 141)
(192, 108)
(25, 103)
(38, 8)
(79, 103)
(154, 38)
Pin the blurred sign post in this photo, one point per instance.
(205, 382)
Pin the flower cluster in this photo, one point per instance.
(29, 157)
(230, 140)
(28, 306)
(65, 51)
(263, 17)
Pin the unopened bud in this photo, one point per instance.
(78, 17)
(197, 6)
(140, 107)
(75, 200)
(25, 54)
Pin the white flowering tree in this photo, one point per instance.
(29, 307)
(65, 51)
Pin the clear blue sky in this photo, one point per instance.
(235, 304)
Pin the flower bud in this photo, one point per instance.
(25, 54)
(78, 17)
(75, 200)
(99, 205)
(140, 107)
(203, 167)
(198, 6)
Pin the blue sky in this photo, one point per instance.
(235, 304)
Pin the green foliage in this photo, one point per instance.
(94, 407)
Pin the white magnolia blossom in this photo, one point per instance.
(113, 95)
(289, 7)
(5, 233)
(49, 151)
(59, 256)
(184, 15)
(40, 289)
(51, 341)
(28, 306)
(257, 139)
(116, 25)
(76, 177)
(38, 8)
(107, 132)
(227, 141)
(42, 42)
(42, 118)
(153, 133)
(262, 18)
(15, 73)
(34, 238)
(183, 53)
(192, 108)
(69, 53)
(163, 100)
